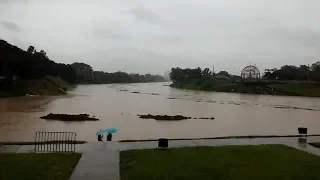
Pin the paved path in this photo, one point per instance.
(110, 153)
(100, 165)
(100, 160)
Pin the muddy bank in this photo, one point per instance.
(171, 118)
(69, 117)
(46, 86)
(283, 88)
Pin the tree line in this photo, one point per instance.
(16, 63)
(85, 74)
(179, 74)
(286, 73)
(290, 72)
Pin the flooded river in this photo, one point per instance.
(116, 106)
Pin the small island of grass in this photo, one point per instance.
(164, 117)
(171, 118)
(69, 117)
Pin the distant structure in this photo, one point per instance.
(167, 76)
(250, 72)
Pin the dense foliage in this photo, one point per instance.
(16, 63)
(178, 74)
(85, 74)
(289, 72)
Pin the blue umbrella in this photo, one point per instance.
(110, 130)
(100, 132)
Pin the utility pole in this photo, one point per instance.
(308, 73)
(213, 70)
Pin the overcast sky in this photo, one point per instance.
(151, 36)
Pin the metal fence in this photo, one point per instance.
(55, 141)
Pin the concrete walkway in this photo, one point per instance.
(100, 160)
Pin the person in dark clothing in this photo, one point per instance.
(109, 137)
(100, 137)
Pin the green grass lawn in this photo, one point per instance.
(272, 162)
(53, 166)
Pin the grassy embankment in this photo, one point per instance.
(49, 85)
(204, 84)
(225, 162)
(54, 166)
(311, 89)
(301, 89)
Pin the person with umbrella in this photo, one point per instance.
(110, 131)
(100, 137)
(100, 134)
(109, 137)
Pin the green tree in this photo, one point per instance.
(31, 49)
(224, 73)
(206, 72)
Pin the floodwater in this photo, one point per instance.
(116, 106)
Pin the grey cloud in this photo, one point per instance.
(153, 36)
(303, 37)
(13, 1)
(147, 15)
(134, 60)
(11, 26)
(108, 34)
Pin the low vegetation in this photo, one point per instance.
(289, 88)
(164, 117)
(57, 166)
(288, 80)
(299, 89)
(69, 117)
(171, 118)
(225, 162)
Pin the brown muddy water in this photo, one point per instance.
(116, 106)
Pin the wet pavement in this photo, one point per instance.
(100, 160)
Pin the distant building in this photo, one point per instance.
(167, 76)
(250, 72)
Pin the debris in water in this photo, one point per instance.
(212, 118)
(290, 107)
(171, 98)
